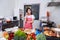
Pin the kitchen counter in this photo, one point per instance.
(9, 25)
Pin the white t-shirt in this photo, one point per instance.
(30, 16)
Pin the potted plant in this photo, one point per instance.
(19, 35)
(40, 37)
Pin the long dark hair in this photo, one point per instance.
(27, 10)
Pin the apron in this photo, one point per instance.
(27, 24)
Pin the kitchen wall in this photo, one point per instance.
(55, 14)
(19, 4)
(6, 8)
(9, 8)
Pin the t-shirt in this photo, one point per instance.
(30, 16)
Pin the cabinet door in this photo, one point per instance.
(35, 11)
(0, 25)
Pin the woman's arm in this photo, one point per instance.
(24, 20)
(32, 21)
(33, 17)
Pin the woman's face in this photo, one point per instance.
(29, 11)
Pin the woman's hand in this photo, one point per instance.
(29, 22)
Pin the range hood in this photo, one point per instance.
(53, 4)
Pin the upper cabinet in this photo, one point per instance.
(55, 0)
(54, 3)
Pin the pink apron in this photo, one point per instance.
(27, 24)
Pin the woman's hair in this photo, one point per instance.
(30, 10)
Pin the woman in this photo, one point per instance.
(29, 18)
